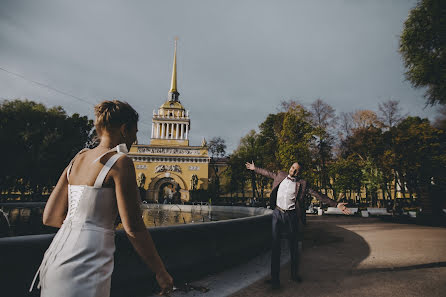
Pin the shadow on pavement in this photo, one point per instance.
(390, 260)
(330, 253)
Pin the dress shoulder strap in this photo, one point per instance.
(72, 161)
(106, 168)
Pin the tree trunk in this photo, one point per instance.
(243, 189)
(394, 194)
(427, 209)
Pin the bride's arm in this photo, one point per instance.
(129, 207)
(57, 205)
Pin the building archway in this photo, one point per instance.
(166, 184)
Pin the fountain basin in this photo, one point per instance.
(188, 250)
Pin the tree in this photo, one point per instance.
(249, 150)
(365, 118)
(236, 174)
(440, 120)
(366, 145)
(390, 113)
(295, 139)
(347, 177)
(246, 151)
(268, 144)
(40, 143)
(323, 118)
(423, 49)
(421, 157)
(346, 124)
(323, 115)
(269, 135)
(217, 149)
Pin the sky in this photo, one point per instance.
(236, 59)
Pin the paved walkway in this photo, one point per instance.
(348, 256)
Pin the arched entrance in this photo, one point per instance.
(168, 191)
(175, 182)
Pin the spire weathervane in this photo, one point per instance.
(173, 93)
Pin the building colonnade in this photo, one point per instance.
(170, 130)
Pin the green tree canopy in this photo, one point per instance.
(38, 142)
(423, 48)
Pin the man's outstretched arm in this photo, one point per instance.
(261, 171)
(324, 199)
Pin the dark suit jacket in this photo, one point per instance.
(302, 189)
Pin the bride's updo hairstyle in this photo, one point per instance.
(111, 115)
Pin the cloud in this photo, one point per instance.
(236, 59)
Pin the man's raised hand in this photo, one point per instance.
(250, 166)
(344, 208)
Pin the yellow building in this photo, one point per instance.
(168, 167)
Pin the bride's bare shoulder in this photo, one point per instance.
(124, 163)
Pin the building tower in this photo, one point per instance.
(169, 164)
(171, 123)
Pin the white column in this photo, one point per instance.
(153, 126)
(181, 130)
(169, 130)
(162, 130)
(157, 130)
(187, 130)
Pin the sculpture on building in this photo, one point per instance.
(141, 180)
(194, 182)
(164, 168)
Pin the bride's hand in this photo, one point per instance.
(165, 281)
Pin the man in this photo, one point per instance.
(288, 201)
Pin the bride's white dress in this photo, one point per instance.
(79, 261)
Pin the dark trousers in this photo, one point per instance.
(285, 224)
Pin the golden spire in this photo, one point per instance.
(173, 84)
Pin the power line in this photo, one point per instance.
(54, 89)
(46, 86)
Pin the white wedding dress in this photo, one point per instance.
(79, 261)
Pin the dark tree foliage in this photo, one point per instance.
(423, 48)
(420, 154)
(37, 144)
(217, 149)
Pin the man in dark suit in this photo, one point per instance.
(288, 201)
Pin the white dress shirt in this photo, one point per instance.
(286, 195)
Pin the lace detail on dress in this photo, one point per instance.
(74, 197)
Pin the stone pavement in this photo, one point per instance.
(348, 256)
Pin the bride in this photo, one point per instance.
(95, 186)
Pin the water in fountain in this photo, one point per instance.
(27, 220)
